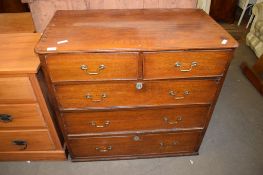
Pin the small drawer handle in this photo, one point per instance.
(178, 119)
(193, 64)
(104, 149)
(21, 143)
(94, 123)
(163, 145)
(173, 94)
(102, 96)
(6, 118)
(99, 69)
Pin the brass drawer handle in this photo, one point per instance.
(178, 119)
(5, 118)
(103, 95)
(85, 69)
(193, 64)
(106, 124)
(173, 94)
(21, 144)
(104, 149)
(163, 145)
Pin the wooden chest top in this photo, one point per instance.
(133, 30)
(17, 53)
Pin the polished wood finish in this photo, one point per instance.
(114, 116)
(16, 89)
(14, 49)
(133, 30)
(254, 74)
(90, 123)
(145, 144)
(123, 94)
(35, 140)
(117, 66)
(22, 115)
(27, 131)
(42, 13)
(163, 65)
(223, 10)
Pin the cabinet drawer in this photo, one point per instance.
(81, 67)
(133, 145)
(121, 94)
(134, 120)
(20, 115)
(31, 140)
(185, 64)
(14, 89)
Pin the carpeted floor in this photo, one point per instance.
(233, 144)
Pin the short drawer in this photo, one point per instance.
(20, 115)
(135, 120)
(14, 89)
(82, 67)
(121, 94)
(132, 145)
(30, 140)
(185, 64)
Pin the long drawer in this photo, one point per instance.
(125, 145)
(128, 94)
(135, 120)
(16, 89)
(25, 140)
(167, 65)
(20, 115)
(96, 66)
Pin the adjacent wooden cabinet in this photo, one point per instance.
(27, 131)
(134, 83)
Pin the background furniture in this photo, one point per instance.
(27, 131)
(254, 75)
(246, 4)
(16, 23)
(43, 10)
(13, 6)
(142, 84)
(223, 10)
(254, 38)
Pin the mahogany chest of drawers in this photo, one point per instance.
(27, 131)
(134, 83)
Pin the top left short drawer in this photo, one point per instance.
(16, 90)
(92, 67)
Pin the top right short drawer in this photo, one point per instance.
(185, 64)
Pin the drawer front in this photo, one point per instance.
(134, 144)
(14, 89)
(20, 115)
(81, 67)
(31, 140)
(134, 120)
(126, 94)
(185, 64)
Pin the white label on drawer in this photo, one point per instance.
(224, 41)
(63, 41)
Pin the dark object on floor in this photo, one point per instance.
(13, 6)
(254, 74)
(223, 10)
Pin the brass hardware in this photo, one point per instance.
(103, 95)
(5, 118)
(104, 149)
(166, 145)
(178, 119)
(139, 86)
(85, 69)
(193, 64)
(106, 124)
(172, 93)
(136, 138)
(21, 143)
